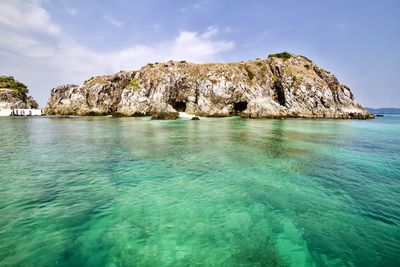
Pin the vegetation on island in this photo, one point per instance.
(259, 63)
(306, 58)
(133, 83)
(284, 55)
(8, 82)
(250, 73)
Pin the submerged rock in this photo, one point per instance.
(281, 86)
(195, 118)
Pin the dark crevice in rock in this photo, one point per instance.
(197, 93)
(178, 94)
(239, 107)
(322, 102)
(277, 71)
(179, 106)
(279, 93)
(87, 98)
(149, 90)
(277, 86)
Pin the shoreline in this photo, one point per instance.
(201, 117)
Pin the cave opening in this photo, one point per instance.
(239, 106)
(179, 106)
(279, 93)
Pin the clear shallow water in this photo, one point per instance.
(216, 192)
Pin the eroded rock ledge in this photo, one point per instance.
(281, 86)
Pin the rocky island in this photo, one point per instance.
(14, 95)
(281, 86)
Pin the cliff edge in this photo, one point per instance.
(280, 86)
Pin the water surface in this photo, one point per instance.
(216, 192)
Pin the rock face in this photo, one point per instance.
(13, 95)
(283, 85)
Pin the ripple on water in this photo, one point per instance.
(230, 192)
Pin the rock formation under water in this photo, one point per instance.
(280, 86)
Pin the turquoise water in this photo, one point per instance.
(216, 192)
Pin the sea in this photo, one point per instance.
(97, 191)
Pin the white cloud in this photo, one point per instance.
(35, 49)
(114, 21)
(26, 16)
(192, 46)
(211, 31)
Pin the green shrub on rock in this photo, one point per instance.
(17, 87)
(284, 55)
(250, 73)
(133, 83)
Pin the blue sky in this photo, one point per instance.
(48, 43)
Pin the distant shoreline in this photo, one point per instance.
(384, 110)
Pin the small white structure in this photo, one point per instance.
(20, 112)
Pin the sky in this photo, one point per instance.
(47, 43)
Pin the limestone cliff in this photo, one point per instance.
(283, 85)
(14, 94)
